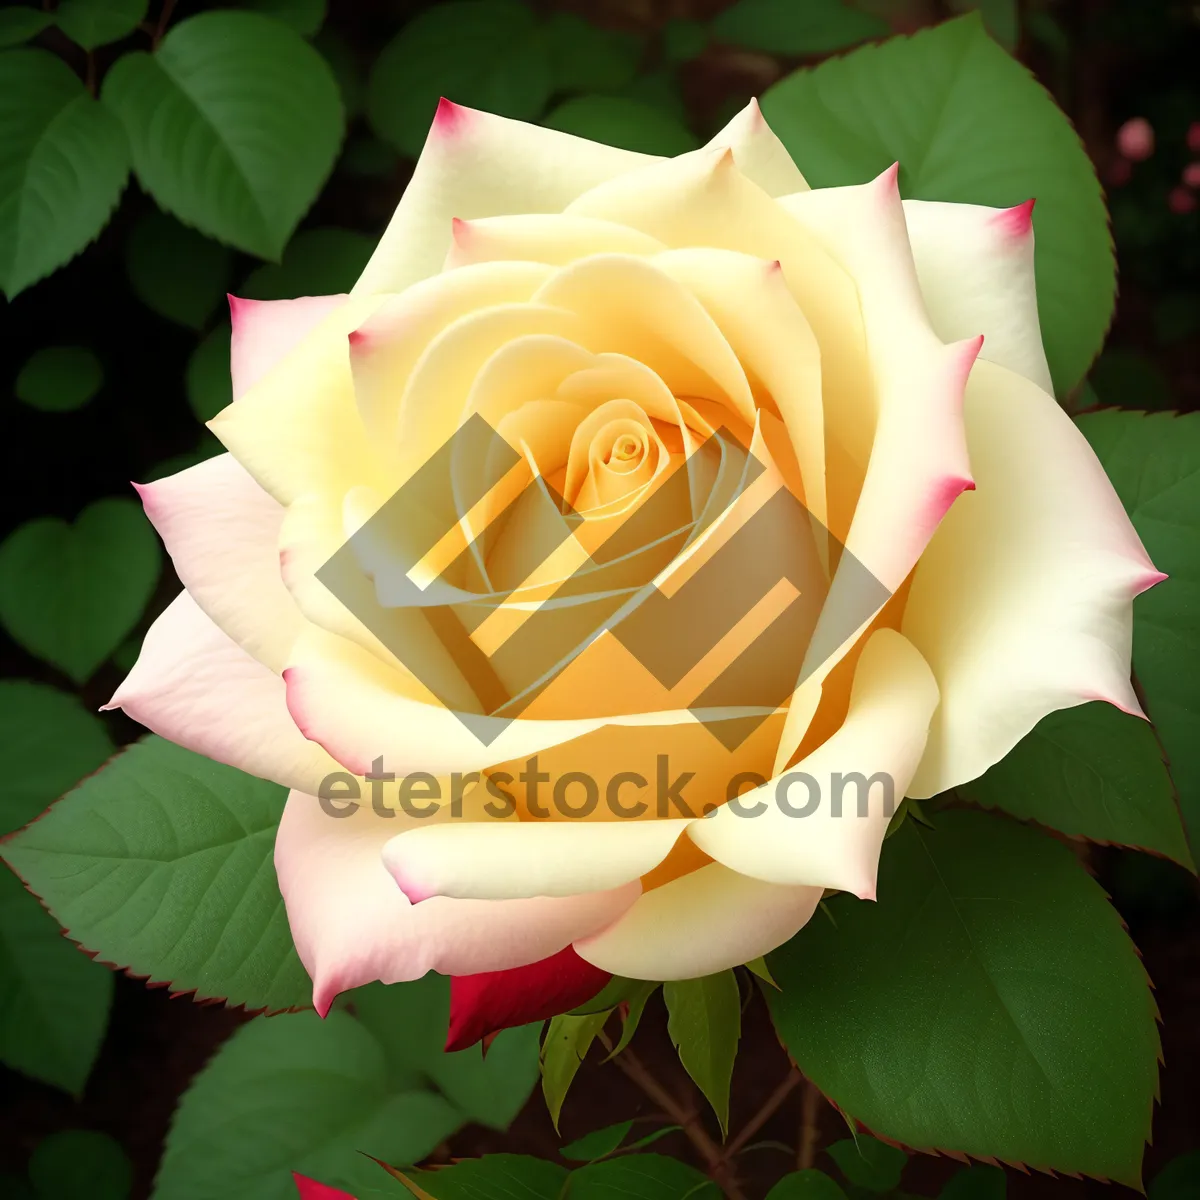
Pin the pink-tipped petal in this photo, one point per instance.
(1022, 604)
(222, 533)
(450, 118)
(918, 463)
(353, 925)
(265, 331)
(194, 686)
(475, 164)
(976, 270)
(483, 1004)
(1016, 222)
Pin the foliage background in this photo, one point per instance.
(145, 305)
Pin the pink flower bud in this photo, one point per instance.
(1191, 175)
(1135, 139)
(1193, 137)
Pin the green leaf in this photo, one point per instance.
(990, 1003)
(806, 1185)
(59, 378)
(317, 262)
(92, 23)
(999, 16)
(235, 122)
(50, 742)
(641, 1177)
(19, 25)
(758, 966)
(1178, 1180)
(63, 164)
(869, 1163)
(54, 1000)
(704, 1019)
(617, 990)
(624, 122)
(207, 380)
(176, 271)
(450, 50)
(295, 1093)
(1092, 772)
(80, 1164)
(162, 863)
(304, 16)
(651, 1138)
(70, 593)
(493, 1177)
(597, 1144)
(967, 123)
(785, 27)
(1154, 463)
(978, 1182)
(641, 993)
(410, 1022)
(586, 59)
(564, 1048)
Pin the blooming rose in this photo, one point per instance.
(609, 315)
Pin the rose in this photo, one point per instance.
(606, 313)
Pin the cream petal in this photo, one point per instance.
(701, 199)
(772, 339)
(192, 685)
(918, 464)
(353, 925)
(637, 310)
(474, 165)
(557, 239)
(266, 331)
(770, 832)
(759, 154)
(975, 267)
(707, 921)
(222, 533)
(1022, 602)
(298, 429)
(386, 347)
(434, 402)
(359, 709)
(505, 860)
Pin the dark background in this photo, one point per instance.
(1115, 60)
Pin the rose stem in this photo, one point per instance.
(718, 1164)
(764, 1114)
(809, 1130)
